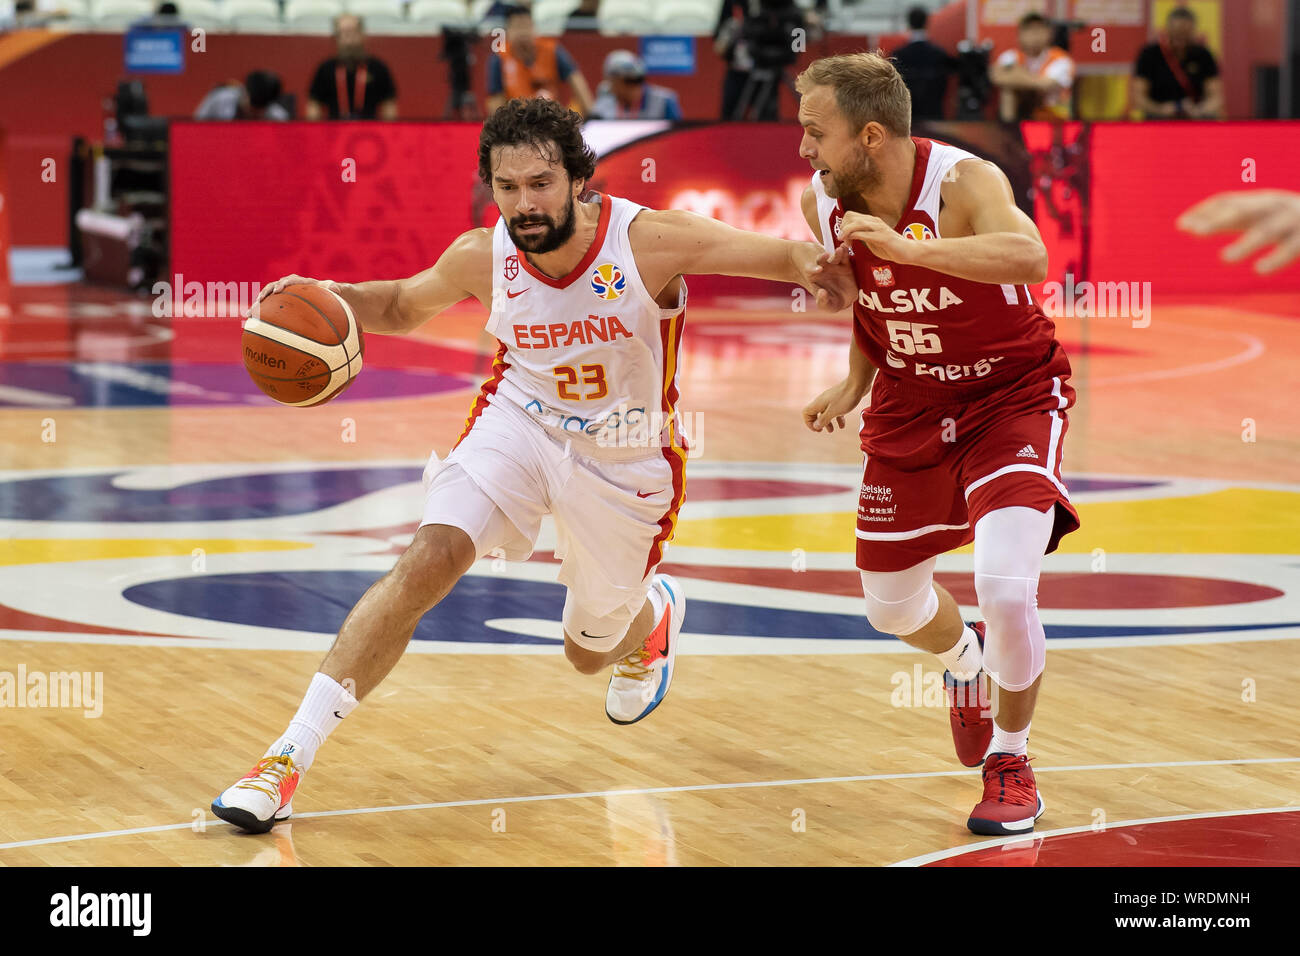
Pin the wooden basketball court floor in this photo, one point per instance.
(187, 549)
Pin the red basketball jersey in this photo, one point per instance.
(935, 337)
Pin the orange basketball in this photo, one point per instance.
(303, 346)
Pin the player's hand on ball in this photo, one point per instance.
(872, 232)
(830, 407)
(280, 284)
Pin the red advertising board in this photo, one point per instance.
(1145, 175)
(363, 201)
(346, 201)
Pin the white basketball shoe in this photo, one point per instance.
(263, 797)
(641, 679)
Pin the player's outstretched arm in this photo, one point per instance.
(395, 306)
(674, 242)
(1005, 247)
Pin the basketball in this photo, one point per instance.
(303, 346)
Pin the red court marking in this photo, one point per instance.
(12, 619)
(1255, 839)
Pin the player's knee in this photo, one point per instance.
(1006, 602)
(901, 617)
(1014, 645)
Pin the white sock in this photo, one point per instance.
(1006, 742)
(964, 659)
(323, 708)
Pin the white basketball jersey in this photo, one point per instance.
(591, 356)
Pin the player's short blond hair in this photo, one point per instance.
(867, 88)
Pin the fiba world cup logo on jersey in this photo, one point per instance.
(917, 230)
(608, 281)
(511, 267)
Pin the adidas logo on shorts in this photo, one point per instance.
(1027, 452)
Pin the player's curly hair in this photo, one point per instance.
(542, 123)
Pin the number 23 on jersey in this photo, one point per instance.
(592, 380)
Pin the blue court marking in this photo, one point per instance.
(270, 495)
(319, 601)
(145, 384)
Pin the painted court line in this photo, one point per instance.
(692, 788)
(925, 858)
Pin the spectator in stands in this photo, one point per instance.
(1178, 77)
(730, 46)
(1035, 80)
(165, 14)
(529, 65)
(925, 68)
(624, 93)
(257, 98)
(501, 8)
(352, 85)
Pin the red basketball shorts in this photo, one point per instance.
(931, 471)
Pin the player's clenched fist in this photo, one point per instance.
(828, 277)
(872, 232)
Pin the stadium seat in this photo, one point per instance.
(550, 16)
(311, 16)
(202, 13)
(623, 16)
(116, 15)
(686, 17)
(381, 16)
(76, 16)
(432, 15)
(252, 16)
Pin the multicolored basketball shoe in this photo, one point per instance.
(1011, 801)
(263, 797)
(969, 712)
(641, 679)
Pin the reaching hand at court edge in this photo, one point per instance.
(1265, 218)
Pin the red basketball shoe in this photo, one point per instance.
(1011, 801)
(969, 712)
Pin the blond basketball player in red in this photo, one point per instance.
(579, 421)
(963, 435)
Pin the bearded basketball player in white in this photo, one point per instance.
(579, 421)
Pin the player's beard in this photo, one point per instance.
(858, 176)
(554, 236)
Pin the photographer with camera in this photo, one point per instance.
(757, 39)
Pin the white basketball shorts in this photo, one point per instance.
(612, 518)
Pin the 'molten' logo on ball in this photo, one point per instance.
(261, 358)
